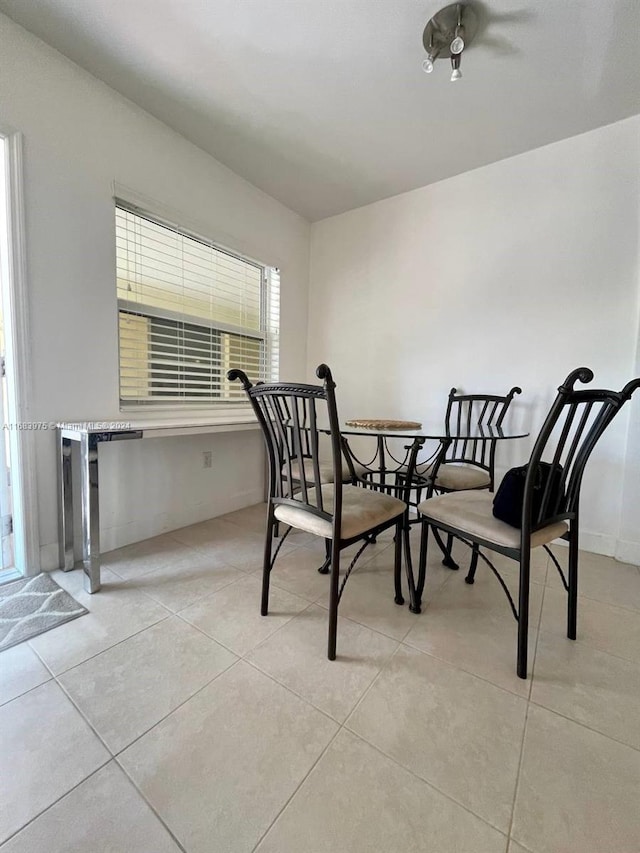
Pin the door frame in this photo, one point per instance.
(15, 315)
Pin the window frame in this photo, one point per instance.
(226, 407)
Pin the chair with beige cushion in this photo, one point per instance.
(291, 416)
(349, 469)
(467, 464)
(470, 464)
(575, 423)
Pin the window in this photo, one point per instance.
(188, 311)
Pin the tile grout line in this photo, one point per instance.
(590, 648)
(368, 627)
(624, 607)
(341, 727)
(345, 726)
(292, 691)
(170, 614)
(26, 692)
(35, 687)
(370, 687)
(102, 651)
(300, 784)
(467, 671)
(112, 757)
(132, 582)
(408, 769)
(259, 645)
(426, 782)
(303, 698)
(208, 636)
(582, 644)
(526, 716)
(57, 800)
(162, 822)
(325, 609)
(115, 756)
(585, 726)
(177, 707)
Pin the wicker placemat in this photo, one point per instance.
(382, 423)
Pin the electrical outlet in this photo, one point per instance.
(206, 457)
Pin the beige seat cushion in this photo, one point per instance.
(362, 509)
(326, 471)
(458, 476)
(472, 513)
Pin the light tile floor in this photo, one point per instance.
(174, 717)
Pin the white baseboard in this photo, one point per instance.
(598, 543)
(625, 551)
(628, 552)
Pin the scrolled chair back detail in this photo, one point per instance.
(574, 425)
(290, 417)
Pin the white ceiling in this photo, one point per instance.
(323, 103)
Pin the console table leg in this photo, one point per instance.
(65, 505)
(90, 512)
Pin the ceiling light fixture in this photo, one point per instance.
(427, 65)
(448, 34)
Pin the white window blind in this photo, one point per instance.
(188, 312)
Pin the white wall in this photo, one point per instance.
(628, 546)
(80, 137)
(512, 274)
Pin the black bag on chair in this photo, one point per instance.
(509, 498)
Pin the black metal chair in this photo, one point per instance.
(471, 464)
(349, 468)
(575, 423)
(290, 416)
(466, 464)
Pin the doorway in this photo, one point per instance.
(7, 564)
(19, 545)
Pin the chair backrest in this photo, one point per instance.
(465, 411)
(575, 423)
(291, 415)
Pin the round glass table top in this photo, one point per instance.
(439, 432)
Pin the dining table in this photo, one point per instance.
(394, 465)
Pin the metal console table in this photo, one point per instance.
(89, 436)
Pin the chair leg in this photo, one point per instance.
(408, 562)
(449, 546)
(324, 568)
(266, 565)
(448, 561)
(416, 604)
(523, 612)
(333, 598)
(572, 607)
(471, 574)
(397, 566)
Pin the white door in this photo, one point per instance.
(6, 524)
(19, 538)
